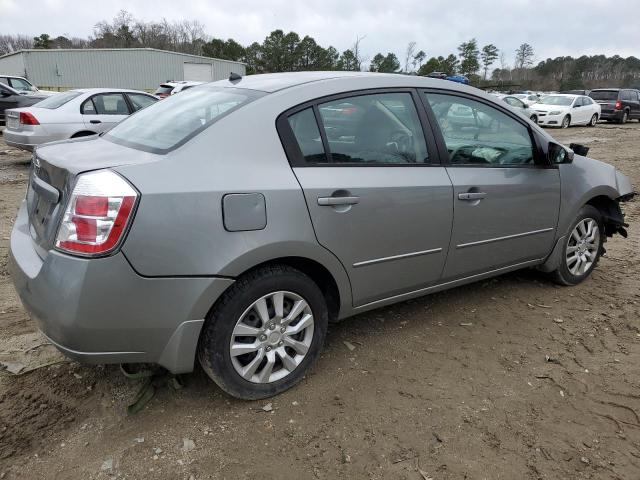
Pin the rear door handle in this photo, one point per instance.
(472, 196)
(95, 121)
(332, 201)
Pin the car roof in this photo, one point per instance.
(609, 89)
(109, 90)
(273, 82)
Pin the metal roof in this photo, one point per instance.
(46, 50)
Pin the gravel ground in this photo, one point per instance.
(511, 378)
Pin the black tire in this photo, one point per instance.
(215, 338)
(566, 122)
(534, 119)
(594, 120)
(562, 274)
(625, 117)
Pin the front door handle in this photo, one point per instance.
(95, 121)
(472, 196)
(333, 201)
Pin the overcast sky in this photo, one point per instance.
(553, 27)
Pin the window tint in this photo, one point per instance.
(305, 129)
(382, 128)
(59, 99)
(169, 123)
(140, 101)
(477, 134)
(604, 95)
(110, 104)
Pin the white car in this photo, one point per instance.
(75, 113)
(24, 86)
(171, 88)
(561, 110)
(528, 98)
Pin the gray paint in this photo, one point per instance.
(136, 68)
(244, 211)
(407, 236)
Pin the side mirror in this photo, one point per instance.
(4, 94)
(559, 155)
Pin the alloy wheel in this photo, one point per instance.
(582, 247)
(565, 122)
(594, 120)
(272, 337)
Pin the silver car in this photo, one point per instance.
(231, 223)
(72, 114)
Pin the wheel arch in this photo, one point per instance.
(612, 215)
(83, 133)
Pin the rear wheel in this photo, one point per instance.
(582, 248)
(566, 121)
(593, 121)
(625, 117)
(264, 334)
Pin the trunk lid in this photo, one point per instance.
(54, 169)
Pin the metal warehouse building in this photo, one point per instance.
(139, 68)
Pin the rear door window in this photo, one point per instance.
(110, 104)
(140, 101)
(374, 129)
(305, 128)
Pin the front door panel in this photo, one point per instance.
(514, 222)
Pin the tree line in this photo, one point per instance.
(281, 51)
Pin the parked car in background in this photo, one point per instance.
(575, 92)
(10, 98)
(23, 86)
(562, 110)
(139, 245)
(521, 106)
(440, 75)
(618, 104)
(171, 88)
(75, 113)
(528, 98)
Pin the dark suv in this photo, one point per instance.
(619, 104)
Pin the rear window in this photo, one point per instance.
(164, 90)
(604, 95)
(58, 99)
(170, 123)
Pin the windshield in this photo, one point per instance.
(59, 99)
(557, 100)
(170, 123)
(604, 95)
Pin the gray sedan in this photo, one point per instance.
(229, 224)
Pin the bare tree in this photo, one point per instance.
(409, 53)
(357, 54)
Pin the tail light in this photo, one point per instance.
(618, 105)
(27, 118)
(97, 215)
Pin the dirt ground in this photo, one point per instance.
(512, 378)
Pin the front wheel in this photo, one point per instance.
(534, 118)
(593, 121)
(566, 121)
(264, 333)
(582, 248)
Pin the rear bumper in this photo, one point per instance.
(611, 115)
(24, 140)
(102, 311)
